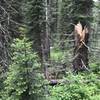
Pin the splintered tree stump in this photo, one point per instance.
(80, 61)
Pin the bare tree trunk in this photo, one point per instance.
(46, 40)
(59, 16)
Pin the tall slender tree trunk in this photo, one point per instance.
(46, 39)
(59, 16)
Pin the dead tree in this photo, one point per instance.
(80, 61)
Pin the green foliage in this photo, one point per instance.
(57, 55)
(23, 81)
(35, 21)
(35, 18)
(95, 67)
(77, 87)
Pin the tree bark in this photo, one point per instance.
(46, 40)
(80, 61)
(81, 13)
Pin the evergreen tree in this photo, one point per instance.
(38, 23)
(23, 80)
(94, 39)
(35, 15)
(10, 21)
(66, 29)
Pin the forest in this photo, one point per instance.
(49, 49)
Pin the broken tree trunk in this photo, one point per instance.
(80, 61)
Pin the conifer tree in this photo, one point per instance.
(23, 80)
(39, 29)
(10, 20)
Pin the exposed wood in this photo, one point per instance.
(80, 61)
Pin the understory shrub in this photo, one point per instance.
(84, 86)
